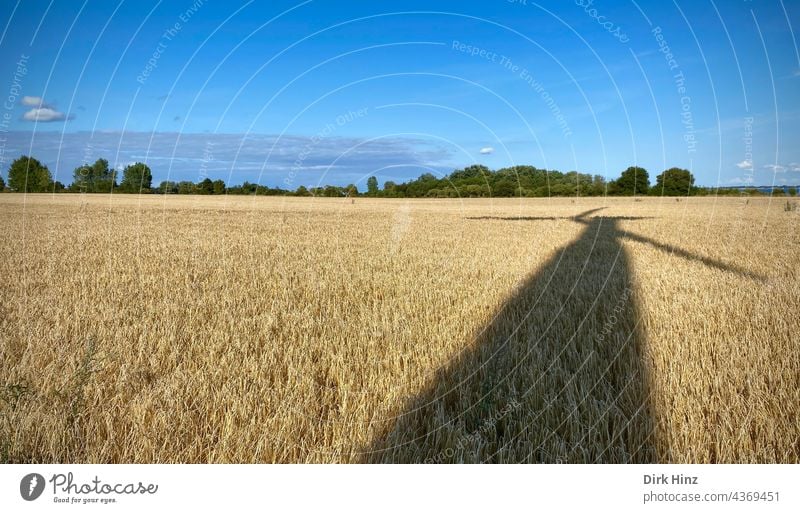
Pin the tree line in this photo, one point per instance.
(476, 181)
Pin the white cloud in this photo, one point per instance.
(44, 115)
(34, 101)
(41, 111)
(794, 166)
(487, 150)
(775, 168)
(745, 164)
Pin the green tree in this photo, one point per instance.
(81, 179)
(598, 187)
(95, 178)
(475, 191)
(205, 187)
(105, 179)
(2, 184)
(674, 182)
(792, 191)
(26, 174)
(372, 186)
(474, 171)
(136, 178)
(390, 189)
(248, 188)
(302, 191)
(186, 187)
(632, 181)
(563, 189)
(219, 187)
(168, 187)
(504, 188)
(331, 191)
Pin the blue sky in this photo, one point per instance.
(303, 93)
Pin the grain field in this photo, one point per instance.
(251, 329)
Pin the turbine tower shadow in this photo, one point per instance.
(558, 375)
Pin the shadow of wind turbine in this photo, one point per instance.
(558, 375)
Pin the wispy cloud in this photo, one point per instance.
(768, 174)
(266, 158)
(646, 53)
(487, 151)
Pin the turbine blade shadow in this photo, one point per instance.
(675, 250)
(580, 217)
